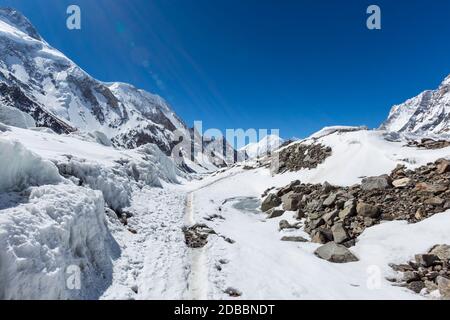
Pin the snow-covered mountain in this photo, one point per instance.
(426, 114)
(263, 147)
(42, 82)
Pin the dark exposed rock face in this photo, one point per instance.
(427, 143)
(429, 270)
(196, 236)
(341, 214)
(302, 156)
(13, 96)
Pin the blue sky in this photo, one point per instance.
(288, 64)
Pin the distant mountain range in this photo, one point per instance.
(43, 83)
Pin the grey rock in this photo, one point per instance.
(327, 187)
(274, 213)
(336, 253)
(318, 236)
(314, 224)
(416, 286)
(380, 182)
(430, 285)
(340, 235)
(271, 201)
(444, 287)
(426, 260)
(443, 166)
(346, 212)
(410, 276)
(329, 216)
(442, 251)
(330, 200)
(291, 201)
(314, 205)
(435, 201)
(294, 239)
(316, 215)
(367, 210)
(284, 224)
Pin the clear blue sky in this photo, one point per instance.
(288, 64)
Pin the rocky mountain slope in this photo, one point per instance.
(426, 114)
(42, 82)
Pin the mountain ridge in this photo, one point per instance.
(42, 82)
(428, 113)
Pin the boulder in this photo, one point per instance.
(430, 188)
(442, 251)
(319, 236)
(430, 285)
(271, 201)
(401, 183)
(340, 234)
(330, 200)
(367, 210)
(294, 239)
(410, 276)
(435, 201)
(329, 216)
(274, 213)
(444, 287)
(443, 166)
(291, 201)
(336, 253)
(281, 192)
(314, 224)
(416, 286)
(380, 182)
(349, 209)
(313, 205)
(284, 224)
(327, 187)
(426, 260)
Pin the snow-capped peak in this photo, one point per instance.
(264, 146)
(19, 21)
(426, 114)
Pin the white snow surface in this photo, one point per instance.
(15, 117)
(49, 225)
(20, 168)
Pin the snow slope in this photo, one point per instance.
(260, 266)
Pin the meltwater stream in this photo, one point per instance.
(249, 204)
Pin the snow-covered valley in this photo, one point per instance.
(51, 221)
(95, 205)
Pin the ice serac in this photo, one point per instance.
(42, 82)
(426, 114)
